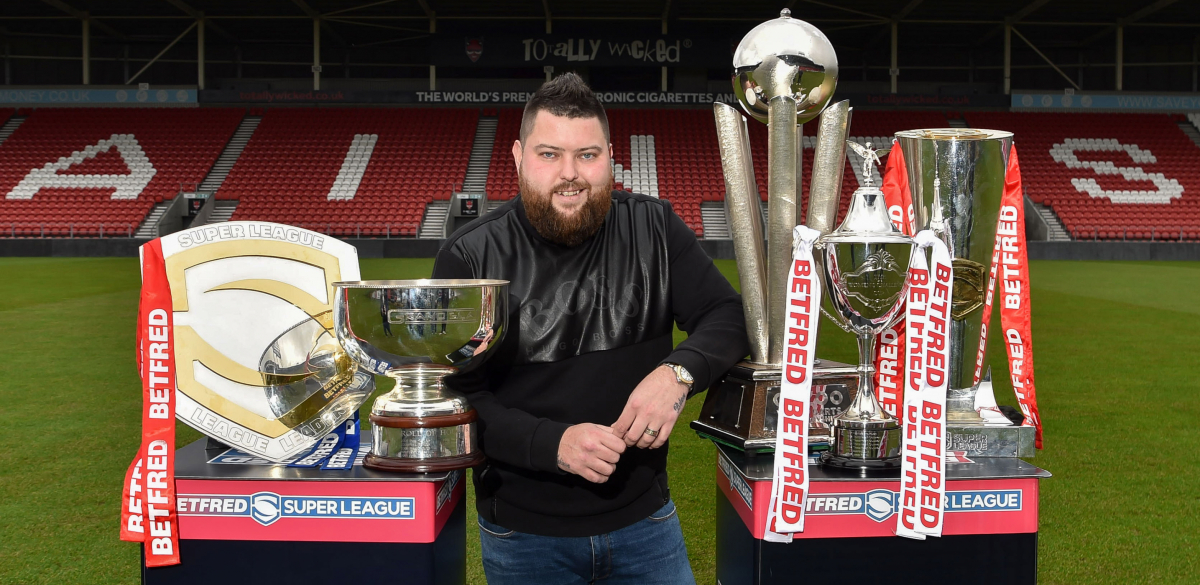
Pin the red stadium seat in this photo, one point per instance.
(179, 146)
(290, 166)
(1094, 139)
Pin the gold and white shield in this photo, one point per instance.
(257, 363)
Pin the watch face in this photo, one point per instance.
(683, 375)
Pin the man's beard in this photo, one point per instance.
(567, 230)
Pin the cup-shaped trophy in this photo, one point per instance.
(956, 177)
(968, 166)
(416, 332)
(865, 275)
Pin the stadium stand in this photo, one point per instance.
(1108, 176)
(89, 172)
(502, 174)
(351, 171)
(372, 172)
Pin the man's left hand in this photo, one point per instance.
(654, 406)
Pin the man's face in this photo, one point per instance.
(565, 176)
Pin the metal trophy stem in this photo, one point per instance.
(420, 420)
(865, 435)
(744, 207)
(783, 198)
(829, 162)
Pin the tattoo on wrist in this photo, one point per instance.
(563, 464)
(679, 403)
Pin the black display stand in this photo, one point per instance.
(991, 537)
(237, 549)
(976, 559)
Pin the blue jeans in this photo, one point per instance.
(648, 552)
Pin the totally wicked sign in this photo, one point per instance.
(516, 51)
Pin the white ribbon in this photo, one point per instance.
(789, 483)
(927, 333)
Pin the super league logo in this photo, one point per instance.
(881, 504)
(474, 49)
(264, 508)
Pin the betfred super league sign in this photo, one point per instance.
(266, 508)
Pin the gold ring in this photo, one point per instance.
(651, 433)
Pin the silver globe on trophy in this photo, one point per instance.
(865, 278)
(784, 74)
(417, 332)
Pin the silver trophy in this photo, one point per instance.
(865, 276)
(417, 332)
(784, 73)
(956, 177)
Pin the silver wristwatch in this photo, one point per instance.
(682, 375)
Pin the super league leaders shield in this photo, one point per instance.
(258, 366)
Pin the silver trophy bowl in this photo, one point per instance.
(785, 57)
(417, 332)
(866, 279)
(306, 374)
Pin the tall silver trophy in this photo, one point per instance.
(784, 74)
(417, 332)
(865, 277)
(956, 177)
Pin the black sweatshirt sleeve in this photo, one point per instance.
(706, 307)
(509, 435)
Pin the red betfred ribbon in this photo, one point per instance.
(927, 332)
(789, 480)
(1012, 256)
(889, 358)
(148, 504)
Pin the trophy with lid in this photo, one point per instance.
(417, 332)
(784, 74)
(865, 276)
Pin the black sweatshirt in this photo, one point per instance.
(586, 324)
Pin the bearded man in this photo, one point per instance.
(576, 405)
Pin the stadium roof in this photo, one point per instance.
(954, 35)
(358, 22)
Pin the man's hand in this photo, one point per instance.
(590, 451)
(654, 405)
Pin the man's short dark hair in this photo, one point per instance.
(567, 96)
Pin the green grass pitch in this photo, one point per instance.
(1117, 348)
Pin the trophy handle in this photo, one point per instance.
(832, 317)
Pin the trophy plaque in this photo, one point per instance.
(257, 364)
(968, 166)
(784, 74)
(865, 277)
(416, 332)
